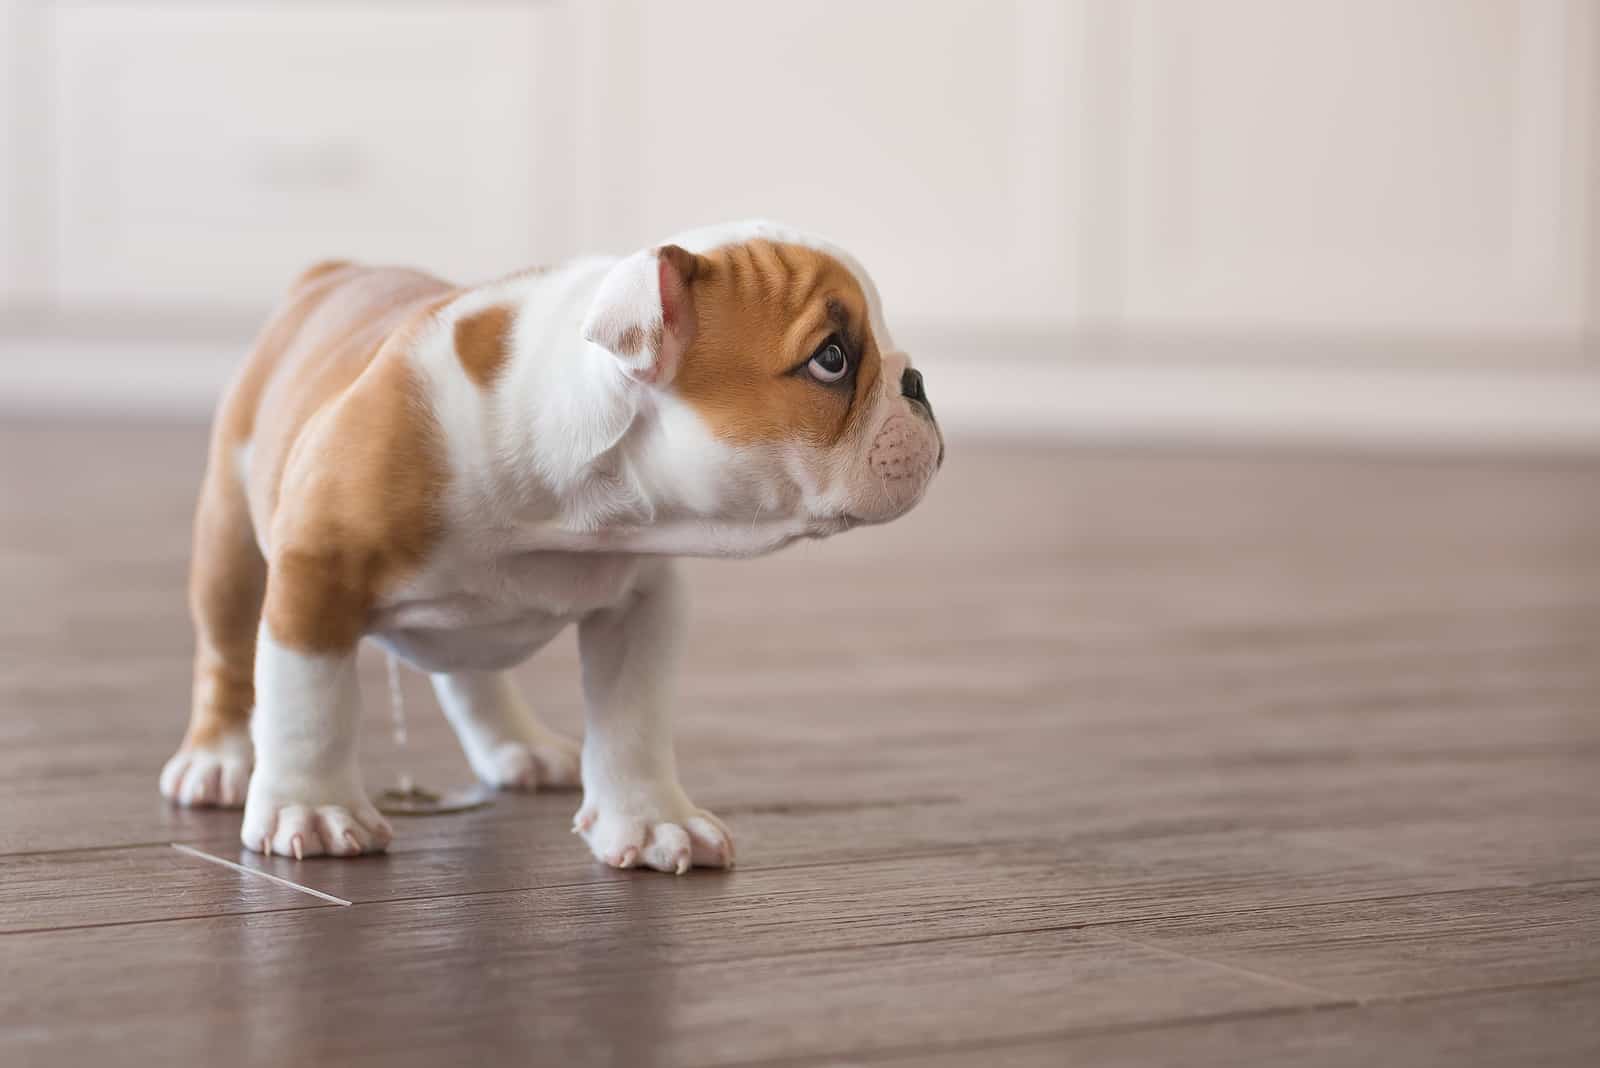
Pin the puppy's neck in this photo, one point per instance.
(555, 437)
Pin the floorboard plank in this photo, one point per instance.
(1399, 947)
(344, 988)
(1537, 1027)
(128, 885)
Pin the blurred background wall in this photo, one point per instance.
(1351, 221)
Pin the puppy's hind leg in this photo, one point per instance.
(505, 742)
(306, 797)
(227, 580)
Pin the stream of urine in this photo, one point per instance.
(397, 720)
(407, 798)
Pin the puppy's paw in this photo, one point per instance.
(548, 762)
(215, 773)
(520, 766)
(312, 820)
(659, 829)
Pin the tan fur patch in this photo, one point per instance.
(358, 510)
(483, 343)
(227, 579)
(317, 270)
(357, 507)
(227, 574)
(630, 341)
(762, 309)
(345, 460)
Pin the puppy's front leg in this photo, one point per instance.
(306, 796)
(634, 811)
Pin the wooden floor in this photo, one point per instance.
(1100, 758)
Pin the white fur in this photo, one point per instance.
(634, 810)
(629, 297)
(306, 796)
(216, 773)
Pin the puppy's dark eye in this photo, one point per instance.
(830, 363)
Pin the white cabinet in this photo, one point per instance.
(1181, 175)
(1354, 165)
(934, 138)
(203, 153)
(11, 244)
(1327, 171)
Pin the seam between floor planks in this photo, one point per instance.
(1238, 969)
(61, 928)
(1473, 991)
(1344, 1005)
(986, 1045)
(196, 842)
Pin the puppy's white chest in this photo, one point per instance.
(479, 612)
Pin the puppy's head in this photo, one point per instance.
(784, 405)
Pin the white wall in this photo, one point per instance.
(1352, 220)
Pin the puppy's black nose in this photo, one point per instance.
(911, 386)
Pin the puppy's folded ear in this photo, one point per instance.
(644, 312)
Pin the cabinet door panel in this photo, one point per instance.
(203, 154)
(1361, 164)
(934, 137)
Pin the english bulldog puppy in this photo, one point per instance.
(460, 473)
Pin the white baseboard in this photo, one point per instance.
(1460, 408)
(1124, 400)
(145, 378)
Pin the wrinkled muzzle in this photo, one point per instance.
(904, 453)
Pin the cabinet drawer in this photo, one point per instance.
(203, 155)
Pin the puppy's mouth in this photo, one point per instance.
(826, 526)
(924, 410)
(838, 524)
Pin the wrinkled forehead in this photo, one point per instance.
(710, 239)
(792, 295)
(762, 308)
